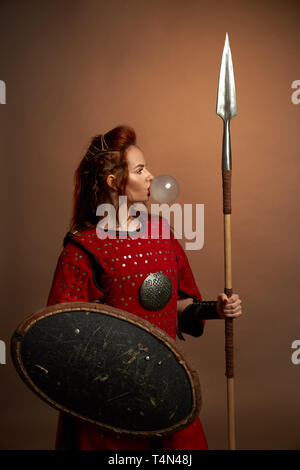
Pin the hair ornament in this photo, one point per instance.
(94, 151)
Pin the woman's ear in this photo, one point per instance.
(110, 180)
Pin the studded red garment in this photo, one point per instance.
(125, 263)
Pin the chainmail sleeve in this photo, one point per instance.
(187, 286)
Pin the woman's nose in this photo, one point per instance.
(150, 177)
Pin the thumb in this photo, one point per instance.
(223, 298)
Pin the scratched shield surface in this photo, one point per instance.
(108, 371)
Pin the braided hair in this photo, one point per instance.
(106, 155)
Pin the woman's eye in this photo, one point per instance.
(140, 171)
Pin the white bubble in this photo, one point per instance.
(164, 189)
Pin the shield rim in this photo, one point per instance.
(57, 309)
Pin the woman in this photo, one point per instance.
(98, 263)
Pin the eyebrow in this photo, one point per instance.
(140, 164)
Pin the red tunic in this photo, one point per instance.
(124, 264)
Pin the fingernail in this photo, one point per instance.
(225, 301)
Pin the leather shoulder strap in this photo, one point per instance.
(97, 269)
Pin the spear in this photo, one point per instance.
(227, 109)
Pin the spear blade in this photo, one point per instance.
(226, 101)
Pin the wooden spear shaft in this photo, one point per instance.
(226, 177)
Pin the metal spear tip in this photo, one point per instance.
(226, 100)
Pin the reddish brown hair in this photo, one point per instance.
(91, 188)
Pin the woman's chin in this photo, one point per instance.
(140, 200)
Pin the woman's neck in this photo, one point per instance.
(131, 224)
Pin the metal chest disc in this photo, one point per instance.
(156, 291)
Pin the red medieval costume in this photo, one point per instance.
(104, 265)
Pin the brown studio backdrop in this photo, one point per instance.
(74, 69)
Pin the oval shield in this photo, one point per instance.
(108, 367)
